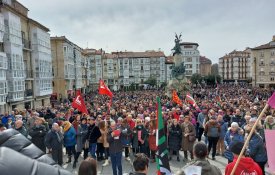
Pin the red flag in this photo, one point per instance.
(176, 98)
(78, 103)
(271, 101)
(104, 90)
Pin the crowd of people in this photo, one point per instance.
(222, 116)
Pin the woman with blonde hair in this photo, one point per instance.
(269, 123)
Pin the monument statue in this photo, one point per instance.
(177, 49)
(178, 82)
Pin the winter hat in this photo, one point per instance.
(236, 147)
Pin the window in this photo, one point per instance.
(272, 79)
(189, 59)
(272, 52)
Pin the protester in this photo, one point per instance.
(139, 137)
(201, 119)
(200, 154)
(140, 164)
(234, 134)
(126, 134)
(256, 149)
(38, 134)
(175, 139)
(100, 141)
(20, 128)
(246, 164)
(54, 142)
(92, 136)
(224, 128)
(152, 139)
(188, 137)
(212, 130)
(115, 148)
(269, 123)
(88, 167)
(82, 130)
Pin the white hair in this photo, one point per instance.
(234, 125)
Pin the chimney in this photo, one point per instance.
(273, 39)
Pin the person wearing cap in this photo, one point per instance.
(246, 164)
(92, 136)
(212, 130)
(38, 134)
(234, 134)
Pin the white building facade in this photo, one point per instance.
(137, 67)
(191, 58)
(3, 66)
(41, 55)
(13, 48)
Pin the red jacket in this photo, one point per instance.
(132, 124)
(246, 167)
(176, 116)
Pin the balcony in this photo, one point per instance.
(28, 74)
(26, 44)
(272, 73)
(28, 93)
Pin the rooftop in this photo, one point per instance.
(204, 60)
(189, 43)
(147, 54)
(269, 45)
(169, 60)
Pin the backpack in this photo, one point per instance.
(213, 132)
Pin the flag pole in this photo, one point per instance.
(248, 138)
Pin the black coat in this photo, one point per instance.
(38, 134)
(93, 133)
(14, 147)
(52, 142)
(175, 137)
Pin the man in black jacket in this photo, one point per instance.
(38, 133)
(92, 136)
(14, 147)
(115, 148)
(54, 141)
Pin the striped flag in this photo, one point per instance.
(190, 100)
(163, 167)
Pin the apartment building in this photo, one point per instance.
(137, 67)
(168, 68)
(26, 43)
(236, 66)
(95, 67)
(263, 65)
(67, 61)
(191, 57)
(205, 66)
(110, 71)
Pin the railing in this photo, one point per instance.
(26, 43)
(28, 74)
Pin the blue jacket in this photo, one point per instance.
(224, 129)
(236, 137)
(256, 149)
(201, 118)
(70, 137)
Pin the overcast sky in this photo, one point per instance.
(218, 26)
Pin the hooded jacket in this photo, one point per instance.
(207, 168)
(14, 147)
(246, 166)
